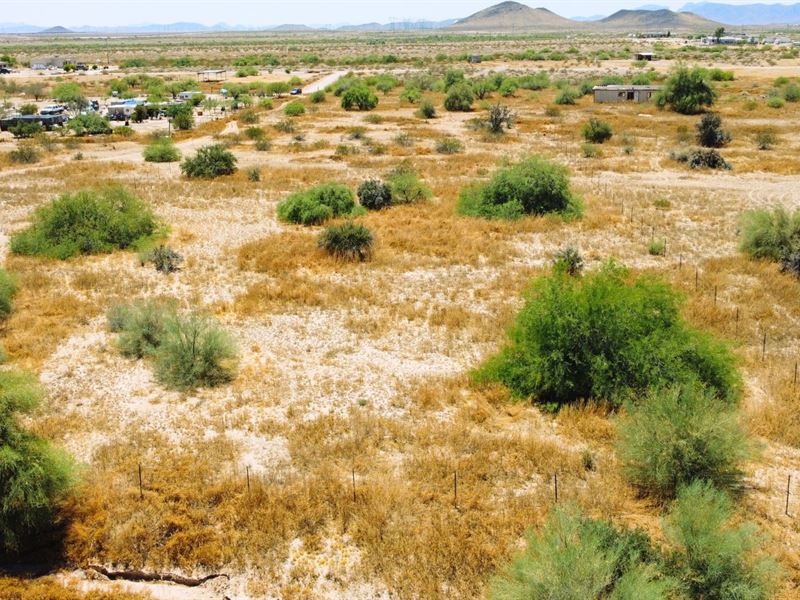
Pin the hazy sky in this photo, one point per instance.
(274, 12)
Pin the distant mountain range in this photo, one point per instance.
(506, 16)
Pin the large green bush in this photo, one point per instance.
(686, 91)
(534, 186)
(348, 241)
(714, 558)
(161, 150)
(597, 131)
(771, 234)
(34, 476)
(459, 98)
(8, 287)
(209, 162)
(87, 222)
(317, 205)
(576, 558)
(194, 351)
(710, 133)
(89, 124)
(605, 335)
(678, 435)
(359, 97)
(406, 186)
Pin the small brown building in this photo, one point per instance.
(606, 94)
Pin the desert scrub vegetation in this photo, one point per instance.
(24, 154)
(318, 204)
(604, 336)
(687, 91)
(702, 158)
(161, 150)
(34, 476)
(710, 133)
(459, 98)
(8, 287)
(87, 222)
(359, 97)
(597, 131)
(50, 588)
(577, 557)
(535, 186)
(705, 555)
(374, 194)
(89, 124)
(188, 350)
(163, 258)
(209, 162)
(675, 436)
(348, 242)
(294, 109)
(406, 185)
(772, 235)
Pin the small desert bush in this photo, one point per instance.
(765, 139)
(406, 186)
(161, 150)
(87, 222)
(678, 435)
(294, 109)
(449, 146)
(209, 162)
(373, 194)
(317, 204)
(194, 351)
(254, 133)
(772, 235)
(534, 186)
(596, 131)
(604, 336)
(140, 326)
(568, 260)
(499, 118)
(124, 131)
(590, 151)
(702, 158)
(263, 145)
(8, 287)
(426, 109)
(317, 97)
(163, 258)
(714, 554)
(574, 557)
(285, 126)
(89, 124)
(710, 133)
(776, 102)
(567, 96)
(657, 248)
(348, 241)
(34, 476)
(459, 98)
(24, 154)
(248, 117)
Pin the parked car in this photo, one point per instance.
(296, 91)
(4, 71)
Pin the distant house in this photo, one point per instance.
(645, 56)
(605, 94)
(50, 62)
(188, 95)
(212, 75)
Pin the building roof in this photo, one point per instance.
(627, 88)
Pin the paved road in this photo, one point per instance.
(321, 84)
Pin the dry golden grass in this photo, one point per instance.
(51, 589)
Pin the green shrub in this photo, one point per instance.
(285, 126)
(124, 131)
(34, 476)
(596, 131)
(373, 194)
(254, 174)
(359, 97)
(792, 93)
(567, 96)
(209, 162)
(605, 336)
(459, 98)
(679, 435)
(426, 109)
(575, 558)
(24, 154)
(161, 150)
(776, 102)
(499, 118)
(765, 139)
(316, 205)
(182, 116)
(194, 351)
(771, 234)
(715, 558)
(710, 133)
(406, 186)
(686, 91)
(568, 260)
(534, 186)
(348, 241)
(707, 158)
(248, 117)
(317, 97)
(89, 124)
(449, 146)
(86, 222)
(164, 259)
(254, 133)
(590, 151)
(263, 145)
(8, 287)
(26, 130)
(140, 326)
(657, 248)
(294, 109)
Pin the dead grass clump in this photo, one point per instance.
(50, 589)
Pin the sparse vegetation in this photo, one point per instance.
(209, 162)
(160, 150)
(686, 91)
(373, 194)
(8, 287)
(317, 205)
(348, 241)
(710, 133)
(596, 131)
